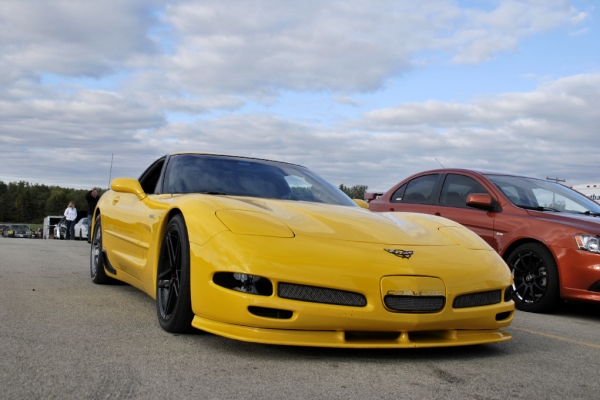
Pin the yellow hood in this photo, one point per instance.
(343, 223)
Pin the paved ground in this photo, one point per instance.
(64, 337)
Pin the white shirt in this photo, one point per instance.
(71, 213)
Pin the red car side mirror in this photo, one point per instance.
(480, 200)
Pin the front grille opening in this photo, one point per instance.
(359, 336)
(414, 303)
(270, 312)
(477, 299)
(316, 294)
(503, 315)
(244, 283)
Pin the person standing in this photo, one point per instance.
(92, 200)
(71, 216)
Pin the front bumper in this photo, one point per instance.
(353, 339)
(579, 271)
(349, 266)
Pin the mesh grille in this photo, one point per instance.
(478, 299)
(414, 303)
(321, 295)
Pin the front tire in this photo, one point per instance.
(536, 283)
(97, 271)
(173, 299)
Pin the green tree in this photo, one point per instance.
(354, 192)
(23, 208)
(57, 202)
(22, 202)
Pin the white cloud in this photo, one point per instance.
(260, 47)
(73, 38)
(257, 47)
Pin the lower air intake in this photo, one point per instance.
(270, 312)
(414, 303)
(477, 299)
(321, 295)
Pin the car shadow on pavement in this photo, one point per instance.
(581, 310)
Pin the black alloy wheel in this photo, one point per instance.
(536, 286)
(173, 300)
(97, 271)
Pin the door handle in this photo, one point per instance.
(116, 200)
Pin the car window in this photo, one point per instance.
(237, 176)
(149, 179)
(550, 199)
(531, 193)
(398, 194)
(19, 227)
(457, 188)
(420, 190)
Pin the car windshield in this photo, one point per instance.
(236, 176)
(538, 194)
(19, 227)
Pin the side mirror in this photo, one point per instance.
(128, 185)
(481, 200)
(361, 203)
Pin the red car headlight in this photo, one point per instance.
(588, 242)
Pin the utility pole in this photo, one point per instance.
(110, 173)
(557, 181)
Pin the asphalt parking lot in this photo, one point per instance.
(64, 337)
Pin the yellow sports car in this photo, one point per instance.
(269, 252)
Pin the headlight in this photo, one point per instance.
(244, 283)
(588, 242)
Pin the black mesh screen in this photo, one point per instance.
(414, 303)
(478, 299)
(321, 295)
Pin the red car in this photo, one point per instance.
(548, 234)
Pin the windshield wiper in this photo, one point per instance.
(592, 213)
(221, 193)
(538, 208)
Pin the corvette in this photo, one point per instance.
(269, 252)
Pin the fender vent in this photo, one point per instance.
(478, 299)
(316, 294)
(414, 303)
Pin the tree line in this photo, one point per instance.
(354, 192)
(22, 202)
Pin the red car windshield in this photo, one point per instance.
(538, 194)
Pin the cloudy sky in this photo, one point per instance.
(362, 92)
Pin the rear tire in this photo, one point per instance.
(536, 282)
(97, 271)
(173, 299)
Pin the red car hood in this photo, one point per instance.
(585, 223)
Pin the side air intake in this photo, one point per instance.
(478, 299)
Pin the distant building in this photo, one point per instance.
(591, 190)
